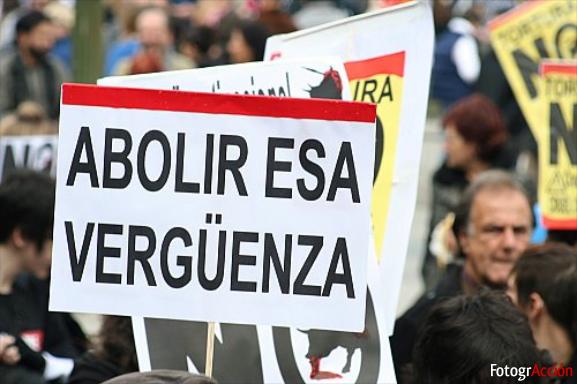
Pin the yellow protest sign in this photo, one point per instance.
(524, 36)
(380, 80)
(557, 143)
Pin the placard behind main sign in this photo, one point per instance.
(388, 58)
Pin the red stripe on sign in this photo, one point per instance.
(212, 103)
(567, 224)
(393, 64)
(513, 13)
(558, 68)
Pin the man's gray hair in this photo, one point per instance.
(493, 180)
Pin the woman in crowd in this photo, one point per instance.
(475, 139)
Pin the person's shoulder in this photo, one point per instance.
(89, 369)
(450, 283)
(59, 66)
(7, 55)
(25, 283)
(29, 282)
(418, 311)
(448, 286)
(446, 175)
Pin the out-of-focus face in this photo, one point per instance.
(153, 30)
(37, 262)
(498, 232)
(238, 48)
(460, 152)
(40, 40)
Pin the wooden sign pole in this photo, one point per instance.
(209, 350)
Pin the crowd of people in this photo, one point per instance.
(501, 300)
(143, 36)
(496, 294)
(501, 290)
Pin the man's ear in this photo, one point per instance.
(17, 238)
(535, 307)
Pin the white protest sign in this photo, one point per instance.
(316, 78)
(36, 152)
(209, 207)
(265, 354)
(388, 58)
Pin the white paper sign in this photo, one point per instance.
(213, 207)
(34, 152)
(302, 78)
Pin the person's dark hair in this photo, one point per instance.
(566, 236)
(202, 37)
(29, 21)
(551, 271)
(161, 376)
(478, 120)
(488, 180)
(464, 335)
(116, 343)
(255, 34)
(27, 203)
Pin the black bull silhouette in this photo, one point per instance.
(237, 357)
(322, 343)
(331, 87)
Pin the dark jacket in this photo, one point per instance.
(446, 84)
(24, 315)
(407, 326)
(91, 370)
(41, 83)
(448, 187)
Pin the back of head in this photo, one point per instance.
(468, 9)
(255, 34)
(161, 376)
(202, 37)
(550, 270)
(478, 120)
(116, 343)
(27, 203)
(565, 236)
(464, 336)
